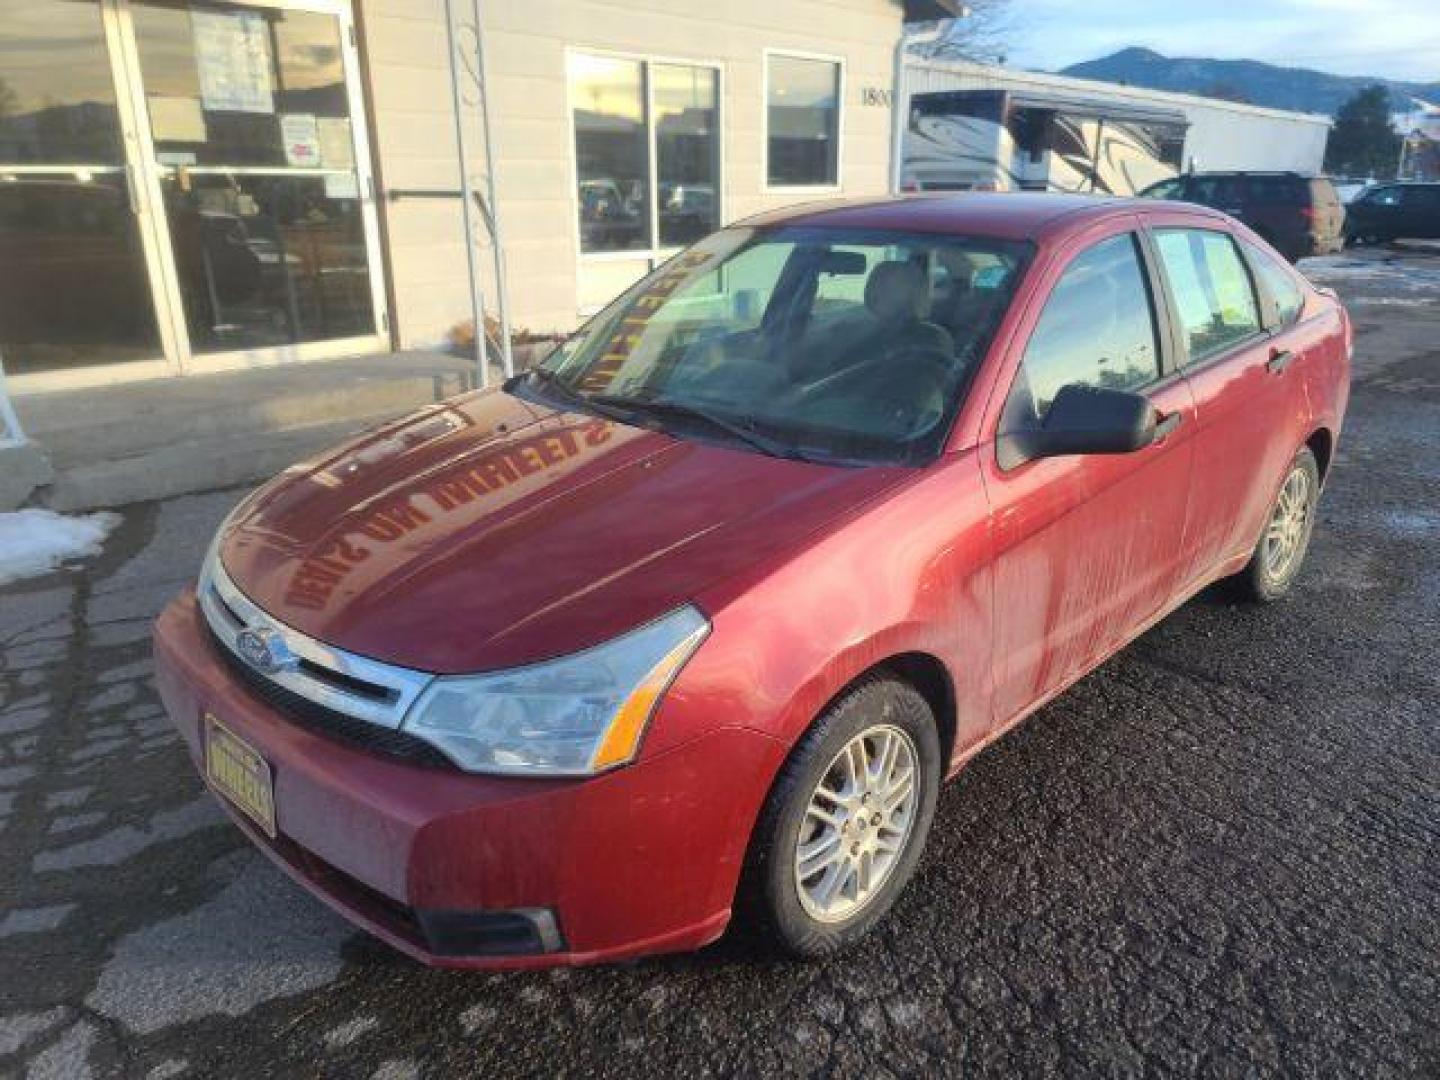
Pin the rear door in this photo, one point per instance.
(1249, 400)
(1087, 547)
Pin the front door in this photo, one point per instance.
(76, 245)
(184, 184)
(1086, 547)
(253, 131)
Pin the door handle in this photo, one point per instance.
(1279, 360)
(1167, 426)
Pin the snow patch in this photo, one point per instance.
(36, 541)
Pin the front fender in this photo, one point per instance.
(910, 574)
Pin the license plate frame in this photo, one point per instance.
(240, 774)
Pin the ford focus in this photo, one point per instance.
(690, 622)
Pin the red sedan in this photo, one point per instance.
(695, 617)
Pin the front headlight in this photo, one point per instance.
(575, 716)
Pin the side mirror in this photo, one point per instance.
(1084, 420)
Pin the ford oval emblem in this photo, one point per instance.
(264, 650)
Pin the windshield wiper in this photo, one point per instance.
(559, 388)
(671, 407)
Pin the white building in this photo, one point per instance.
(189, 187)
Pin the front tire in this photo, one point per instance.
(844, 825)
(1276, 561)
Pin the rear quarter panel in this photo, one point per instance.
(1327, 374)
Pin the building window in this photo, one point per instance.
(624, 110)
(802, 118)
(687, 166)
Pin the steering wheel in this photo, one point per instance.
(910, 386)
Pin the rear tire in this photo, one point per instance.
(842, 831)
(1280, 552)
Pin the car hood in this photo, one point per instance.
(488, 532)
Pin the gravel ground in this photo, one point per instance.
(1215, 856)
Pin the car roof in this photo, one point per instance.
(1287, 174)
(1025, 215)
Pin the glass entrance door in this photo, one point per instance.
(75, 283)
(256, 150)
(183, 184)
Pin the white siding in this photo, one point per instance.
(526, 44)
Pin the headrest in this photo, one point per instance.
(896, 290)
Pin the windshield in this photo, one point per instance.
(847, 346)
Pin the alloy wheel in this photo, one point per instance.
(857, 823)
(1285, 533)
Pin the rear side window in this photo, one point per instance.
(1165, 189)
(1283, 291)
(1291, 190)
(1214, 298)
(1425, 198)
(1096, 329)
(1218, 190)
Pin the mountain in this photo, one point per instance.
(1300, 89)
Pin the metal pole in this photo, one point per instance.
(900, 90)
(502, 295)
(9, 423)
(899, 110)
(477, 297)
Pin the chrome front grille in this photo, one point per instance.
(351, 685)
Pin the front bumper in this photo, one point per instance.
(641, 860)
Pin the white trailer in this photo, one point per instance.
(978, 127)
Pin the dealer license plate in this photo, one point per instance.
(238, 772)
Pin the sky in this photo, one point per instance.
(1399, 39)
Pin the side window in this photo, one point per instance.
(1424, 198)
(1284, 292)
(1165, 189)
(1214, 298)
(1097, 329)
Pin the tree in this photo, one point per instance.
(1363, 141)
(9, 100)
(984, 35)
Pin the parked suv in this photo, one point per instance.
(1298, 215)
(695, 617)
(1394, 211)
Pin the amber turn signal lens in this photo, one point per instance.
(623, 739)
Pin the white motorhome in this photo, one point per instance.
(979, 127)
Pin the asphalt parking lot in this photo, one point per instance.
(1218, 855)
